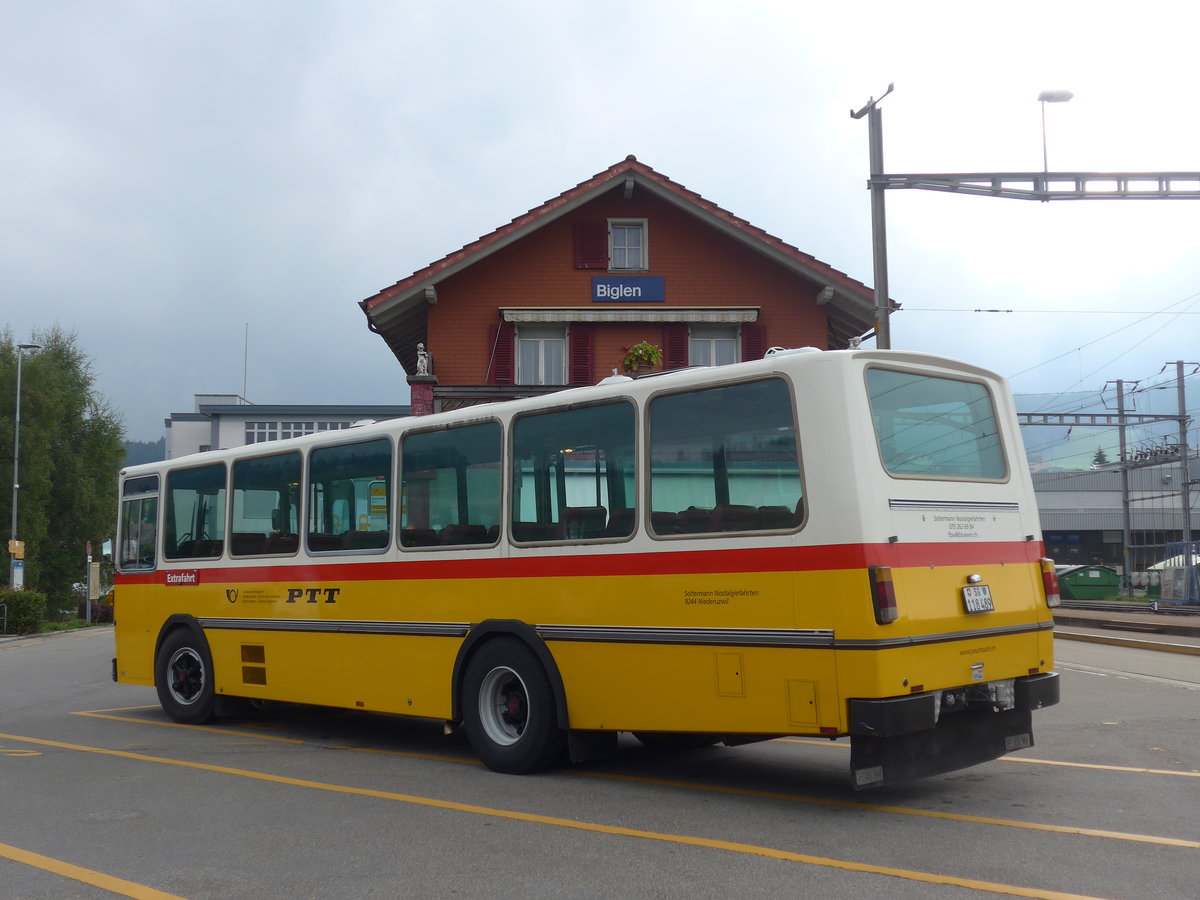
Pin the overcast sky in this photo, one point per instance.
(176, 173)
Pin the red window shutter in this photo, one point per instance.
(591, 245)
(582, 353)
(754, 342)
(675, 346)
(502, 366)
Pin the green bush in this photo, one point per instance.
(26, 611)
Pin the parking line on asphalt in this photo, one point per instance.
(254, 735)
(87, 876)
(906, 811)
(103, 714)
(1133, 770)
(577, 825)
(900, 810)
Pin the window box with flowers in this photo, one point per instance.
(641, 357)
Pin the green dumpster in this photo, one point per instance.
(1088, 582)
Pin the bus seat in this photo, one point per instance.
(620, 523)
(772, 517)
(463, 534)
(319, 542)
(533, 531)
(583, 522)
(247, 543)
(692, 520)
(663, 522)
(733, 517)
(207, 547)
(419, 537)
(282, 542)
(365, 540)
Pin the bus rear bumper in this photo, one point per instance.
(899, 739)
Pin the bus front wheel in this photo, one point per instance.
(508, 709)
(184, 678)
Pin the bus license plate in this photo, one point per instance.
(978, 598)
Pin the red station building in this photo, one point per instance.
(555, 297)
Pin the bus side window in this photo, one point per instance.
(451, 487)
(195, 519)
(725, 460)
(139, 523)
(266, 505)
(573, 474)
(349, 504)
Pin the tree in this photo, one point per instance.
(138, 452)
(1101, 458)
(72, 444)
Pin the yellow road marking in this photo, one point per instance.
(205, 728)
(907, 811)
(1028, 759)
(103, 714)
(577, 825)
(1103, 768)
(436, 757)
(793, 798)
(87, 876)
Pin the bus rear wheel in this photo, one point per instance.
(509, 710)
(184, 678)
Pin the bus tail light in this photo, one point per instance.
(883, 594)
(1050, 582)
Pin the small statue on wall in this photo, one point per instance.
(424, 361)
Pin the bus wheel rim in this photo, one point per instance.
(503, 706)
(185, 676)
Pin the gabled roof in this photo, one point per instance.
(397, 312)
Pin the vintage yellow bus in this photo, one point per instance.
(836, 544)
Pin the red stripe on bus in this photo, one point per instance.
(572, 565)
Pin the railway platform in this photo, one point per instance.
(1163, 631)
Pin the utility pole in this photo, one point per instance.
(1042, 186)
(1184, 488)
(1121, 420)
(883, 327)
(1126, 515)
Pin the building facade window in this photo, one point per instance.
(257, 432)
(295, 429)
(542, 355)
(713, 345)
(627, 245)
(332, 426)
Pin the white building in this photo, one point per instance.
(221, 421)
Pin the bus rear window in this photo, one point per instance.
(931, 427)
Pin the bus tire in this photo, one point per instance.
(183, 677)
(509, 710)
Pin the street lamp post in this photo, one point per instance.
(17, 566)
(1050, 97)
